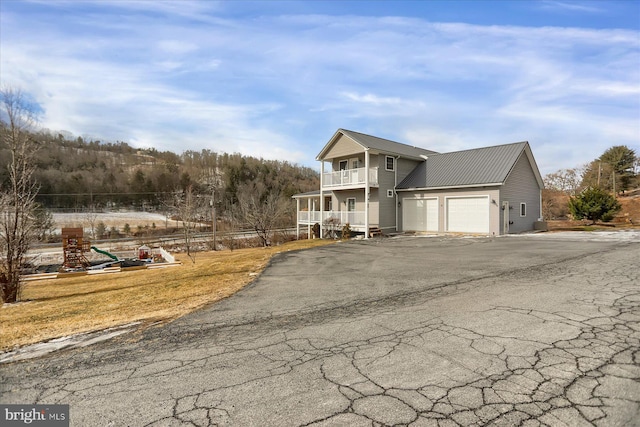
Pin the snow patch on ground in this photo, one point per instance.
(110, 219)
(72, 341)
(593, 236)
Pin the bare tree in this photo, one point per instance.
(261, 208)
(44, 224)
(92, 216)
(232, 214)
(188, 207)
(18, 192)
(212, 179)
(565, 180)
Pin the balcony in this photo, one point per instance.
(350, 178)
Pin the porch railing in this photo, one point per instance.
(350, 177)
(308, 217)
(354, 218)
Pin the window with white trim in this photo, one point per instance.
(389, 193)
(390, 163)
(523, 209)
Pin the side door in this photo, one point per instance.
(351, 210)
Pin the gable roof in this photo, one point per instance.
(377, 144)
(479, 166)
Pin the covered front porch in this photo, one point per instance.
(309, 212)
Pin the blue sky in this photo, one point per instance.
(277, 79)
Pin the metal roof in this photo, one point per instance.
(379, 144)
(307, 194)
(479, 166)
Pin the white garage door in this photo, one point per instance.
(468, 214)
(420, 215)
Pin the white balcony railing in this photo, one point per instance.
(354, 218)
(350, 177)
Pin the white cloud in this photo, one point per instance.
(276, 86)
(177, 47)
(572, 7)
(372, 99)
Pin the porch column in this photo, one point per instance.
(366, 193)
(309, 221)
(297, 218)
(321, 197)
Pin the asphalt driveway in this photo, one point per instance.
(520, 330)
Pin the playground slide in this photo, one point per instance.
(100, 251)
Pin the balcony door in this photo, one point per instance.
(344, 171)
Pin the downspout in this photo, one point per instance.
(321, 196)
(395, 185)
(366, 194)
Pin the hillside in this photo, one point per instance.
(630, 213)
(628, 217)
(75, 174)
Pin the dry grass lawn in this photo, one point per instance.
(60, 307)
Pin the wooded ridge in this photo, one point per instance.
(74, 173)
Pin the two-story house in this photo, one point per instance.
(376, 184)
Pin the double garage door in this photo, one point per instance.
(462, 214)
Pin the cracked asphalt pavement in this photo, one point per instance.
(520, 330)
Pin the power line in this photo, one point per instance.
(108, 194)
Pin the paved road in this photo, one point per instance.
(525, 330)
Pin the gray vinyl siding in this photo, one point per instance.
(344, 146)
(521, 187)
(342, 196)
(335, 163)
(374, 205)
(387, 181)
(405, 166)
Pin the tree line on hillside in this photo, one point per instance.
(42, 170)
(81, 175)
(589, 191)
(74, 174)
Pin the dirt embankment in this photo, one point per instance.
(628, 217)
(630, 212)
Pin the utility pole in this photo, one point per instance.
(213, 217)
(614, 182)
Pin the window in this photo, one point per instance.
(390, 163)
(523, 209)
(343, 165)
(389, 193)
